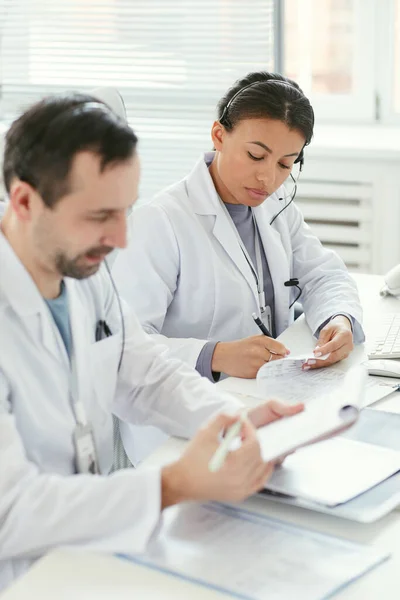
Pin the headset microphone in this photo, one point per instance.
(292, 282)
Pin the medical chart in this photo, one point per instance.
(253, 557)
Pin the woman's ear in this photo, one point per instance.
(218, 133)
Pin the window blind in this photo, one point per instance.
(171, 61)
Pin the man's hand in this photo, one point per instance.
(272, 411)
(335, 339)
(243, 358)
(243, 473)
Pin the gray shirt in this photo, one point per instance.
(60, 312)
(243, 219)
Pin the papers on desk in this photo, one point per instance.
(254, 557)
(334, 471)
(285, 380)
(320, 419)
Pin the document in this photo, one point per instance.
(285, 380)
(334, 471)
(253, 557)
(321, 419)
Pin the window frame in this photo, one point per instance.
(386, 113)
(371, 98)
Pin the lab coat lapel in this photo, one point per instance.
(205, 200)
(80, 339)
(225, 234)
(278, 266)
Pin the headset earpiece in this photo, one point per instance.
(300, 159)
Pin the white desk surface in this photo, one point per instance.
(83, 576)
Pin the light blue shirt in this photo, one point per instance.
(60, 313)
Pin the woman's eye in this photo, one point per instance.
(283, 166)
(254, 157)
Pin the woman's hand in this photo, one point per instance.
(243, 358)
(271, 411)
(335, 339)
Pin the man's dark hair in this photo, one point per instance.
(41, 144)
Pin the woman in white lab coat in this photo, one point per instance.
(227, 241)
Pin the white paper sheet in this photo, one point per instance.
(320, 419)
(334, 471)
(285, 380)
(253, 557)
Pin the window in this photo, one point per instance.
(329, 49)
(171, 61)
(390, 76)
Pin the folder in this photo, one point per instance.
(375, 427)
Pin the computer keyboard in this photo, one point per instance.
(387, 342)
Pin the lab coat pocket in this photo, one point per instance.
(105, 358)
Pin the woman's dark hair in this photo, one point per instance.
(41, 143)
(267, 95)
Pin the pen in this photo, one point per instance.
(99, 331)
(102, 330)
(219, 456)
(261, 325)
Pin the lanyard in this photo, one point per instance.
(86, 457)
(258, 269)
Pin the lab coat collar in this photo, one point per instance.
(16, 283)
(21, 292)
(206, 202)
(201, 187)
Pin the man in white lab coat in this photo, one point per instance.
(69, 356)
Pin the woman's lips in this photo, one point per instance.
(257, 194)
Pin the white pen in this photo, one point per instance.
(219, 456)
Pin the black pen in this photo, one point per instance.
(261, 325)
(99, 331)
(102, 331)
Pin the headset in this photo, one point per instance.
(224, 119)
(121, 314)
(294, 282)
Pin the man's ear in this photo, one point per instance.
(22, 196)
(218, 133)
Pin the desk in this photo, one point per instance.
(82, 576)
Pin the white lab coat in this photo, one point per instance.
(43, 504)
(186, 276)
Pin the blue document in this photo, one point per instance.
(253, 557)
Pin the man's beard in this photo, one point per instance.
(71, 267)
